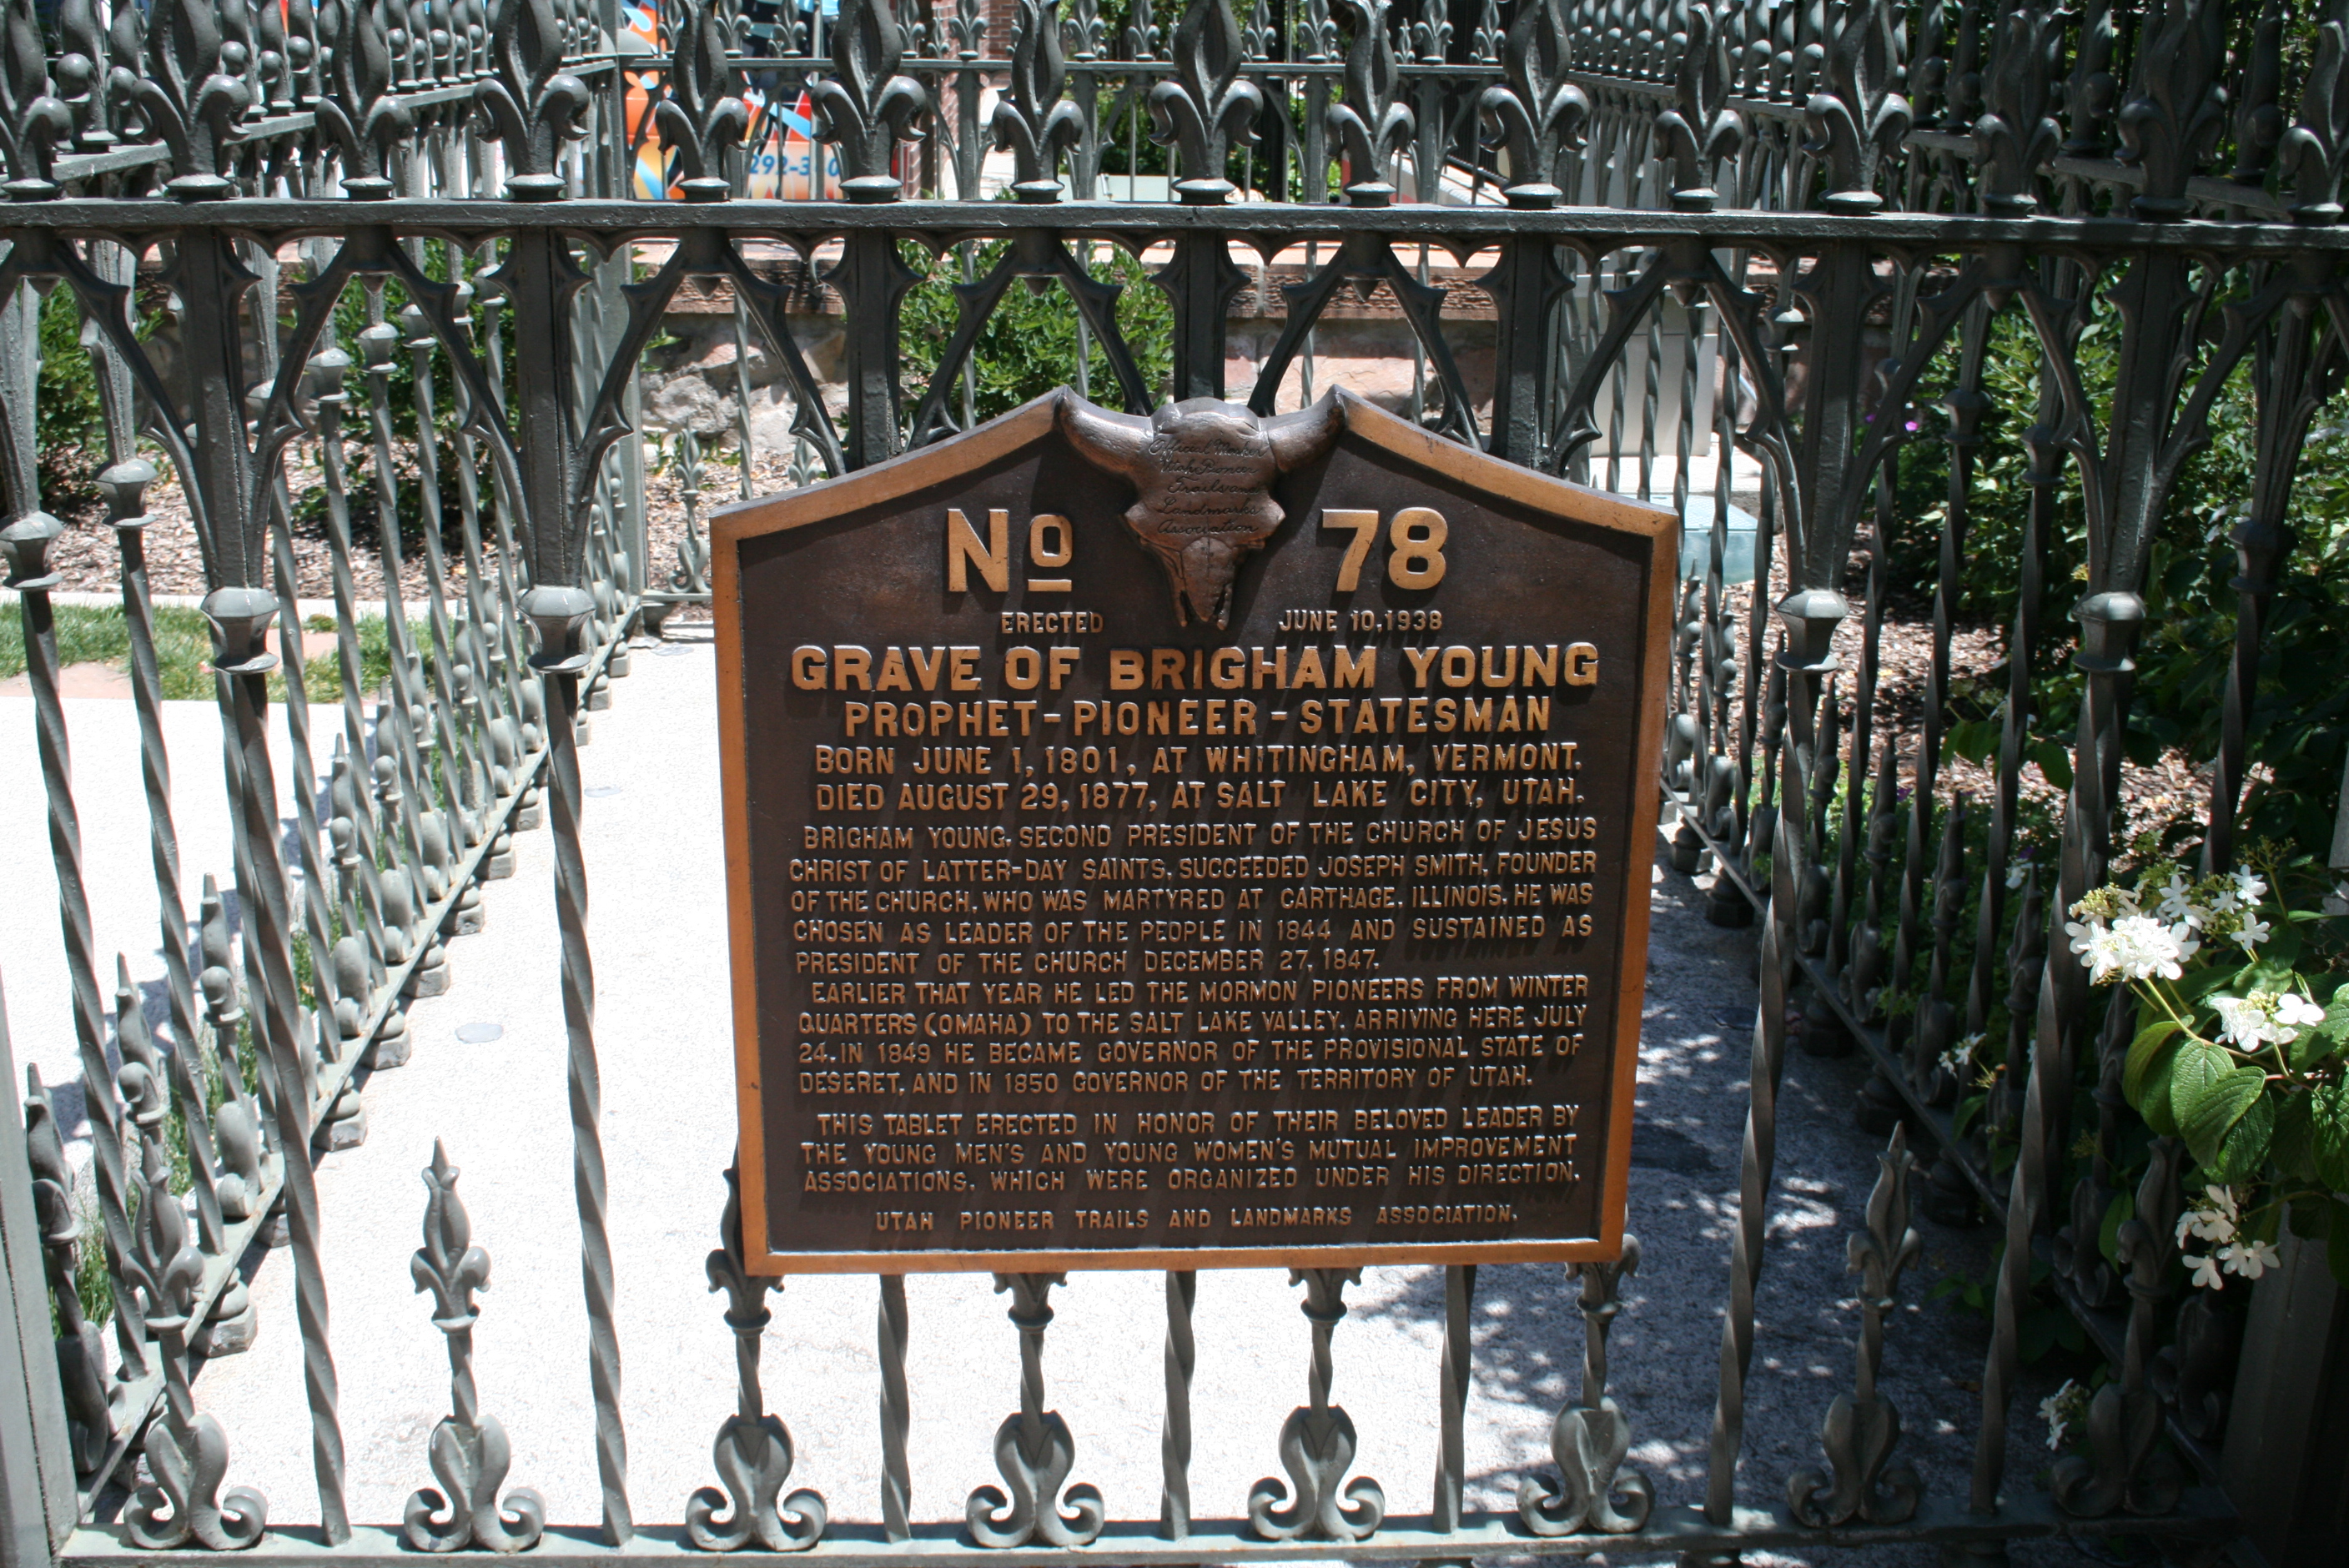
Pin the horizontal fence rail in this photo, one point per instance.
(359, 268)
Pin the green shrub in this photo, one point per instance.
(1029, 345)
(68, 418)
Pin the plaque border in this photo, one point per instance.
(732, 525)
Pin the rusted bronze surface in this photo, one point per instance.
(1284, 920)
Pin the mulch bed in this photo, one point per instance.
(88, 559)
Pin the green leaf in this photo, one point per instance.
(2053, 761)
(2117, 1212)
(2311, 1217)
(2294, 1149)
(2200, 983)
(1974, 738)
(2244, 1148)
(1963, 1116)
(2272, 969)
(2328, 1107)
(2209, 1094)
(2144, 1053)
(2321, 1042)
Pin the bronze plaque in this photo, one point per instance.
(1194, 841)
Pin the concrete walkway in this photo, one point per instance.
(657, 925)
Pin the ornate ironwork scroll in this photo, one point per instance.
(1033, 1446)
(753, 1451)
(1591, 1438)
(1318, 1442)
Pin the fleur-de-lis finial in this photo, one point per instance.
(1369, 124)
(1317, 34)
(530, 105)
(863, 108)
(967, 27)
(448, 1264)
(1590, 1438)
(192, 93)
(1144, 37)
(1032, 120)
(1535, 112)
(2089, 87)
(2017, 131)
(302, 54)
(187, 1453)
(2174, 115)
(2258, 109)
(1484, 43)
(33, 120)
(1088, 34)
(2309, 156)
(1206, 107)
(702, 116)
(1858, 120)
(1698, 130)
(1430, 36)
(80, 73)
(468, 1449)
(359, 111)
(1862, 1427)
(753, 1451)
(269, 62)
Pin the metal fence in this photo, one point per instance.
(1775, 230)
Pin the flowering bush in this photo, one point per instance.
(2237, 1052)
(2066, 1411)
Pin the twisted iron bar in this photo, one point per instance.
(26, 540)
(1174, 1444)
(588, 1182)
(80, 1347)
(896, 1414)
(237, 615)
(1809, 620)
(1457, 1378)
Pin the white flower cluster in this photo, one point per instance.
(2063, 1410)
(2121, 939)
(2264, 1017)
(2133, 948)
(1957, 1061)
(2217, 1216)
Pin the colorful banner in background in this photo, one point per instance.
(783, 163)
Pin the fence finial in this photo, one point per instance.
(1205, 109)
(1590, 1438)
(1318, 1442)
(1033, 1446)
(469, 1450)
(753, 1451)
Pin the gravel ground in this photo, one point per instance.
(662, 1022)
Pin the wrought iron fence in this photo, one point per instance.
(1775, 230)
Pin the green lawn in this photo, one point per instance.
(89, 633)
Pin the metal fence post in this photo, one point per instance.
(36, 1477)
